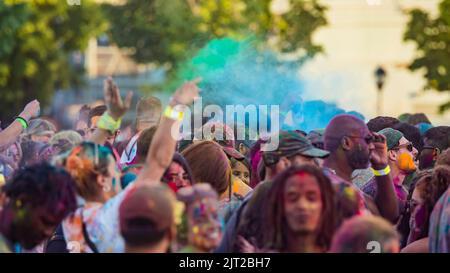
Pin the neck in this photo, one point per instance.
(101, 198)
(160, 247)
(340, 166)
(271, 172)
(397, 175)
(304, 243)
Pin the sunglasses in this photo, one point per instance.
(409, 146)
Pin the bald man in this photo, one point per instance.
(352, 146)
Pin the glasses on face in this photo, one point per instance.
(409, 146)
(368, 139)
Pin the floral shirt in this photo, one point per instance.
(439, 233)
(102, 226)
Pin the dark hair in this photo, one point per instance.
(42, 187)
(379, 123)
(255, 159)
(438, 137)
(178, 158)
(403, 224)
(411, 133)
(444, 158)
(415, 119)
(143, 143)
(243, 161)
(275, 232)
(96, 112)
(431, 189)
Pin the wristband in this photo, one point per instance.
(173, 114)
(106, 122)
(382, 172)
(23, 122)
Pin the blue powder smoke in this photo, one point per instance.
(236, 73)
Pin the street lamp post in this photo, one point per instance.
(380, 76)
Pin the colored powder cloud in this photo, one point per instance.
(237, 73)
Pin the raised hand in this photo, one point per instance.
(378, 156)
(187, 93)
(31, 110)
(116, 106)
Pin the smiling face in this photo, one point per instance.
(302, 204)
(205, 230)
(177, 176)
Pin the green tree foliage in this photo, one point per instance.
(432, 37)
(37, 38)
(168, 31)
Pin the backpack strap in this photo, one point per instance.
(57, 243)
(88, 240)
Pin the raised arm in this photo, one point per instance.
(385, 199)
(110, 121)
(164, 142)
(10, 134)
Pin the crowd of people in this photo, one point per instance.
(380, 186)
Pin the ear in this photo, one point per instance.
(101, 181)
(392, 155)
(346, 143)
(286, 163)
(435, 154)
(173, 232)
(241, 148)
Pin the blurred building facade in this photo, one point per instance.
(361, 35)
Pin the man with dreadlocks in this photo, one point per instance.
(293, 149)
(301, 212)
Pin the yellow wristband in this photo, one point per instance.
(106, 122)
(382, 172)
(171, 113)
(2, 180)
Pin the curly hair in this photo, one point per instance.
(42, 187)
(275, 232)
(431, 188)
(444, 158)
